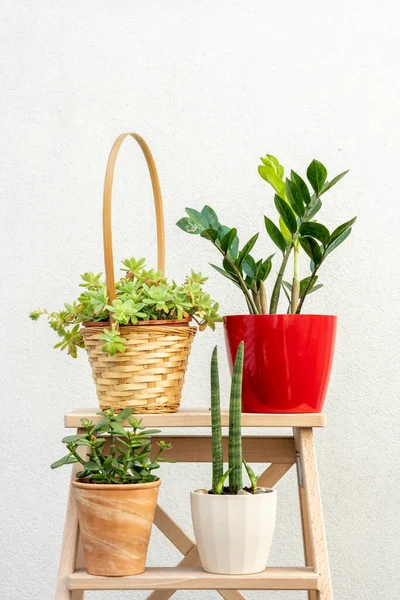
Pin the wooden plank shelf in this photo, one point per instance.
(202, 418)
(194, 578)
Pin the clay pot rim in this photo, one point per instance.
(118, 487)
(150, 322)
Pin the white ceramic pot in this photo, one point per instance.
(233, 533)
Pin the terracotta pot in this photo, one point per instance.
(287, 360)
(115, 522)
(234, 533)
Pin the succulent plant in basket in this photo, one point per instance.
(284, 351)
(116, 490)
(233, 525)
(149, 320)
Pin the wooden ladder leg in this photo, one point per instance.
(315, 547)
(71, 551)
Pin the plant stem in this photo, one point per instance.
(309, 284)
(263, 299)
(295, 283)
(273, 307)
(242, 283)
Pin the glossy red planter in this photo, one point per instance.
(287, 360)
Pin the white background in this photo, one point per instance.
(211, 86)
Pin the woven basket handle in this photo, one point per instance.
(107, 197)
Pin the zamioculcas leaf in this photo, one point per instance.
(316, 206)
(264, 269)
(273, 179)
(338, 241)
(227, 240)
(311, 247)
(229, 276)
(287, 214)
(210, 216)
(315, 230)
(275, 234)
(302, 186)
(316, 175)
(247, 248)
(327, 186)
(304, 283)
(294, 197)
(189, 226)
(197, 217)
(249, 266)
(339, 230)
(209, 234)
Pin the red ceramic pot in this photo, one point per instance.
(287, 360)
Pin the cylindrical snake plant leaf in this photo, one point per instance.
(235, 428)
(217, 456)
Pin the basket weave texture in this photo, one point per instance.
(149, 375)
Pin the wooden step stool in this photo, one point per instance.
(282, 452)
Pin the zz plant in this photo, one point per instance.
(141, 295)
(128, 458)
(297, 231)
(235, 459)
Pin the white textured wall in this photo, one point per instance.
(211, 86)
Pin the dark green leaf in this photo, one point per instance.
(72, 460)
(316, 175)
(264, 269)
(327, 186)
(209, 234)
(294, 197)
(339, 230)
(315, 230)
(339, 240)
(227, 267)
(227, 240)
(275, 234)
(247, 248)
(225, 274)
(249, 266)
(287, 214)
(302, 186)
(311, 212)
(189, 226)
(311, 247)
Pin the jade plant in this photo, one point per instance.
(235, 459)
(297, 231)
(141, 295)
(127, 458)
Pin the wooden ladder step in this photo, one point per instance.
(194, 578)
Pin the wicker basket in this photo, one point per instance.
(149, 375)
